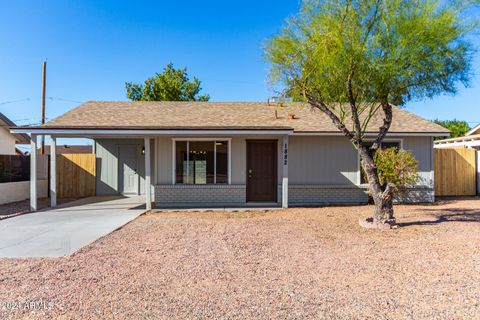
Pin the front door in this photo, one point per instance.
(261, 170)
(127, 167)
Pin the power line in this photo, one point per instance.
(13, 101)
(63, 99)
(23, 125)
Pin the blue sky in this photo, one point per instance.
(93, 47)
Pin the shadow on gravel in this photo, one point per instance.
(450, 215)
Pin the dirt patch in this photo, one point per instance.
(296, 263)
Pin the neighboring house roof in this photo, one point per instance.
(470, 139)
(70, 149)
(221, 116)
(465, 141)
(474, 130)
(20, 138)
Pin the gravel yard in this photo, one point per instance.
(296, 263)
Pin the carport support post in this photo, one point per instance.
(33, 173)
(285, 172)
(148, 191)
(53, 172)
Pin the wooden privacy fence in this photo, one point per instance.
(455, 172)
(76, 175)
(14, 168)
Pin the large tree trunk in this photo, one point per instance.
(382, 195)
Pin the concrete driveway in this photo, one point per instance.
(63, 230)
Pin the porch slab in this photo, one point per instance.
(67, 228)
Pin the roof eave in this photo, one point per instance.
(88, 131)
(472, 131)
(20, 138)
(371, 134)
(79, 132)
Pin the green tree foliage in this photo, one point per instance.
(353, 59)
(395, 166)
(457, 128)
(170, 85)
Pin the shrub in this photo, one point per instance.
(396, 166)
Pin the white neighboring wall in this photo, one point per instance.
(7, 142)
(18, 191)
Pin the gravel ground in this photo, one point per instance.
(297, 263)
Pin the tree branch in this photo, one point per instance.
(371, 111)
(353, 106)
(336, 121)
(387, 121)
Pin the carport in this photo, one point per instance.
(90, 134)
(61, 231)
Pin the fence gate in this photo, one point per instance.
(76, 175)
(455, 172)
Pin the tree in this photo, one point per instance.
(353, 59)
(170, 85)
(458, 128)
(397, 168)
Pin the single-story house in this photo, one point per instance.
(471, 139)
(192, 154)
(8, 140)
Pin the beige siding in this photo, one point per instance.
(164, 160)
(7, 142)
(312, 160)
(107, 180)
(422, 149)
(238, 158)
(322, 160)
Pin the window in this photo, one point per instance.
(201, 162)
(383, 145)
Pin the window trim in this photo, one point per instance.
(229, 150)
(359, 166)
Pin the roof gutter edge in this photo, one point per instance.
(144, 132)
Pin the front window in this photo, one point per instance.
(383, 145)
(201, 162)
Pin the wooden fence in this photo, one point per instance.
(14, 168)
(455, 172)
(76, 175)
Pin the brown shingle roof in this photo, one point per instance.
(220, 115)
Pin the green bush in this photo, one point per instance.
(396, 166)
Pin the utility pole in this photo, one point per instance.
(44, 85)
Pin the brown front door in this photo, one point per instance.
(262, 170)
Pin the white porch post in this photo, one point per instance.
(53, 172)
(148, 191)
(33, 173)
(477, 153)
(285, 172)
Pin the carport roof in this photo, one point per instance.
(122, 115)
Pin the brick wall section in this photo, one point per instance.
(321, 194)
(235, 195)
(416, 195)
(198, 194)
